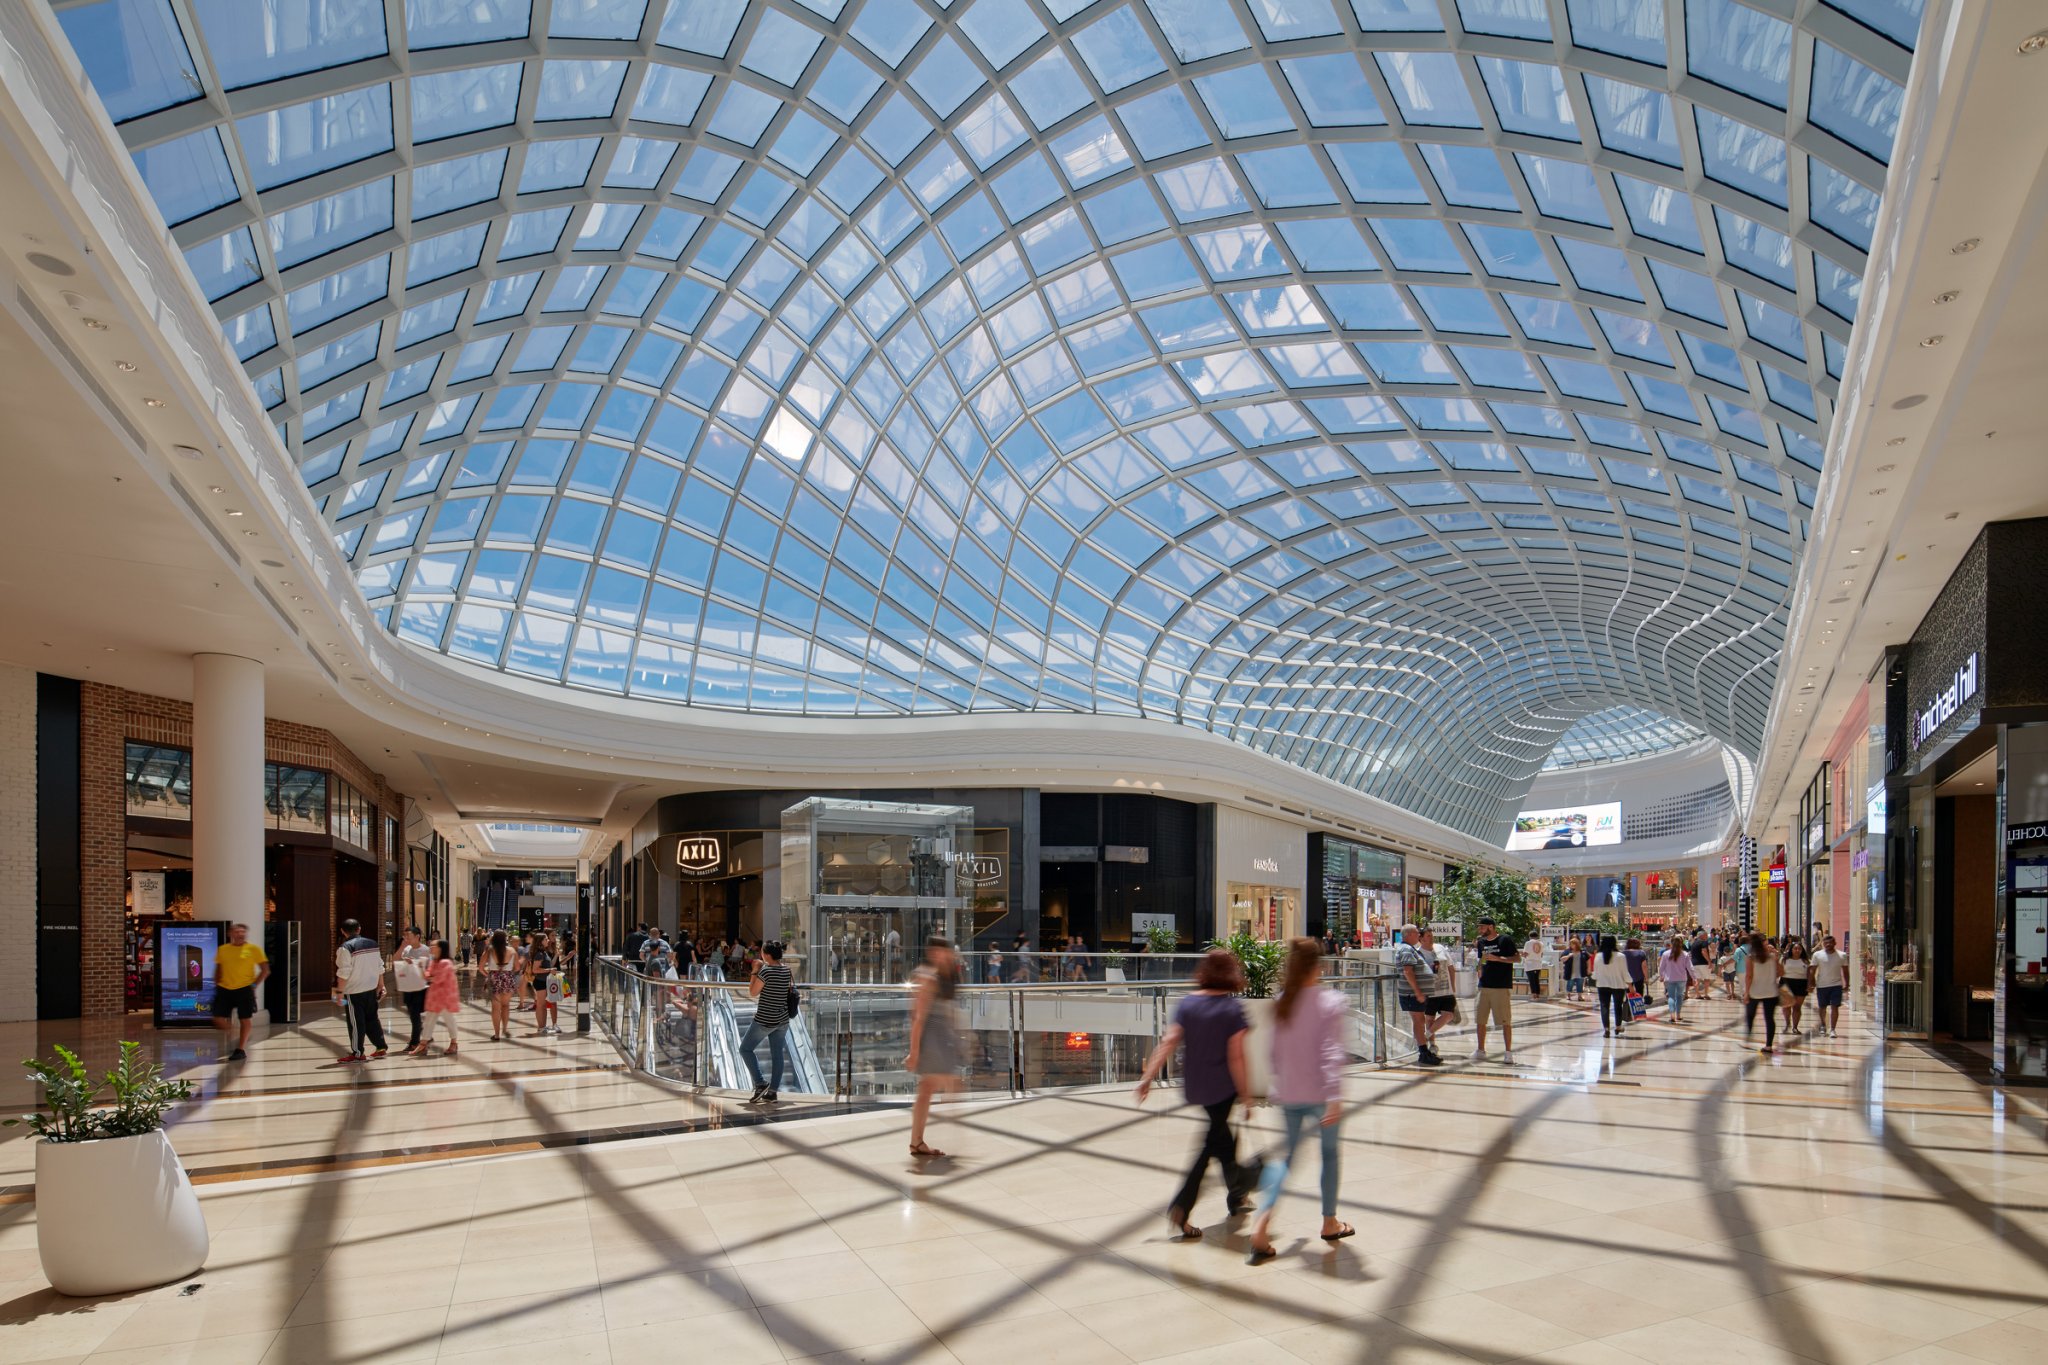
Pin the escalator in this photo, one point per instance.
(730, 1014)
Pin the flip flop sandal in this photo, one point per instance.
(1261, 1255)
(1346, 1231)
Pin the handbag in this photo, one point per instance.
(1785, 996)
(1636, 1006)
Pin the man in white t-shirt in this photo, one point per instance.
(1830, 980)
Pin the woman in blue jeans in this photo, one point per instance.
(770, 987)
(1308, 1085)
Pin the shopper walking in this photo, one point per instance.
(539, 963)
(1417, 973)
(500, 963)
(1796, 971)
(1734, 958)
(1830, 977)
(1611, 980)
(359, 985)
(1760, 991)
(1497, 956)
(1638, 965)
(1211, 1021)
(409, 969)
(935, 1056)
(1308, 1084)
(1675, 970)
(443, 999)
(239, 967)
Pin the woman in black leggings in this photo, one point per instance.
(1760, 991)
(1210, 1019)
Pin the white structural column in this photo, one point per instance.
(227, 789)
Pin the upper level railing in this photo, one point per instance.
(1016, 1037)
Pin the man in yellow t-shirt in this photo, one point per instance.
(239, 967)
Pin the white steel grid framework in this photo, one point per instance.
(1385, 385)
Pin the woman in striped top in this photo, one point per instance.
(770, 987)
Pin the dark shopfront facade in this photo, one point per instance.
(1082, 864)
(1966, 756)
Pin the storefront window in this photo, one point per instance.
(159, 781)
(355, 819)
(1265, 912)
(1361, 890)
(296, 798)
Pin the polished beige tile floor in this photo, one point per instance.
(1670, 1197)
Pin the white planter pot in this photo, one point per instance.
(116, 1214)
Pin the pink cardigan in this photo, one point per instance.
(1308, 1050)
(442, 996)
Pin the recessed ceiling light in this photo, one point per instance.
(1879, 492)
(153, 402)
(1966, 246)
(1947, 296)
(1886, 468)
(125, 366)
(1932, 341)
(2029, 45)
(1896, 441)
(95, 324)
(188, 452)
(234, 511)
(1951, 516)
(1857, 551)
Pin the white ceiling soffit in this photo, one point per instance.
(1942, 425)
(1381, 385)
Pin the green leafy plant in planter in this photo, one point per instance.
(1474, 889)
(1161, 938)
(1261, 962)
(141, 1098)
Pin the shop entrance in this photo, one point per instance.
(719, 908)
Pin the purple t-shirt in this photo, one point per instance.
(1208, 1023)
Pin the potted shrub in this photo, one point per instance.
(1261, 962)
(114, 1209)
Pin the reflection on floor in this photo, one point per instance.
(1670, 1197)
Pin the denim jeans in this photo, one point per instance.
(1674, 996)
(778, 1042)
(1298, 1117)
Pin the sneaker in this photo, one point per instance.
(759, 1091)
(1479, 1054)
(1507, 1058)
(769, 1097)
(379, 1053)
(1429, 1059)
(352, 1057)
(238, 1056)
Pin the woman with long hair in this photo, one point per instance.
(1760, 991)
(1308, 1085)
(443, 1006)
(1797, 972)
(934, 1035)
(1611, 979)
(500, 966)
(1674, 969)
(1210, 1019)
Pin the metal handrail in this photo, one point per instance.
(636, 1011)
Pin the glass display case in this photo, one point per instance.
(865, 883)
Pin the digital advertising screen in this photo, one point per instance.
(184, 972)
(1566, 827)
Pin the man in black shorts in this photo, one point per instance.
(1412, 991)
(239, 967)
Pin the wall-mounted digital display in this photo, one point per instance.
(1566, 827)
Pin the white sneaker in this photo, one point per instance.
(1507, 1058)
(1479, 1054)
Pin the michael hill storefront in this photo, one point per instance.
(1965, 811)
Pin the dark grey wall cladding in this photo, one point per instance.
(2016, 614)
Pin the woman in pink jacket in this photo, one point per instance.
(1308, 1085)
(444, 998)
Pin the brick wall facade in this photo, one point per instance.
(111, 716)
(18, 841)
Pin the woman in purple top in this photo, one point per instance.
(1210, 1020)
(1308, 1085)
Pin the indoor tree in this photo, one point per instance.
(1474, 889)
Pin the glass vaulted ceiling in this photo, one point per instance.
(1383, 384)
(1617, 733)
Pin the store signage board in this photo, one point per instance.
(1447, 929)
(1270, 866)
(1125, 853)
(2027, 834)
(1945, 703)
(977, 869)
(148, 890)
(1778, 875)
(1141, 924)
(1566, 827)
(700, 853)
(1067, 853)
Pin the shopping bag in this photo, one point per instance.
(1637, 1008)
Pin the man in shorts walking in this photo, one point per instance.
(1830, 978)
(1412, 991)
(1497, 956)
(239, 967)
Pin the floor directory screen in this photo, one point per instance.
(184, 966)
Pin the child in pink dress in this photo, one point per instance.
(444, 1001)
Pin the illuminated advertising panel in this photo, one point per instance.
(1566, 827)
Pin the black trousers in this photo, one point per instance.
(1219, 1143)
(415, 1007)
(362, 1008)
(1770, 1008)
(1614, 998)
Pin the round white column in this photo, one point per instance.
(227, 790)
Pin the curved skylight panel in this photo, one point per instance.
(1617, 733)
(1383, 384)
